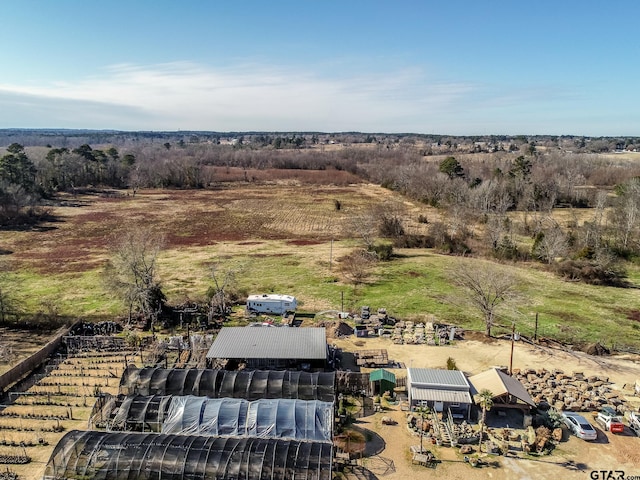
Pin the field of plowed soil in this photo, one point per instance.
(85, 225)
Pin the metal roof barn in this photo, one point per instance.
(270, 343)
(434, 378)
(440, 390)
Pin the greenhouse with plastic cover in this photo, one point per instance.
(101, 455)
(309, 420)
(250, 385)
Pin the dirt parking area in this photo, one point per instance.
(572, 458)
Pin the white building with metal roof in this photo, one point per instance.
(272, 347)
(439, 390)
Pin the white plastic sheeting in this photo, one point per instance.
(274, 418)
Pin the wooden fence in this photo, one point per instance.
(28, 365)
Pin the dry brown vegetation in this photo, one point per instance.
(18, 345)
(85, 226)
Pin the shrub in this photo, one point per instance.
(383, 251)
(507, 250)
(413, 241)
(592, 273)
(390, 226)
(451, 364)
(553, 419)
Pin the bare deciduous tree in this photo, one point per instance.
(486, 288)
(550, 244)
(626, 214)
(132, 271)
(366, 227)
(593, 231)
(356, 266)
(223, 277)
(494, 230)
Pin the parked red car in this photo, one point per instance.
(610, 420)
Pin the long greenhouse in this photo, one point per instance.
(247, 384)
(309, 420)
(120, 456)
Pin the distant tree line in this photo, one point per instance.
(425, 144)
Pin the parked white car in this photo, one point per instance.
(579, 426)
(634, 422)
(610, 420)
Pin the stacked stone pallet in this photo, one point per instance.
(430, 333)
(422, 333)
(465, 433)
(418, 334)
(573, 392)
(396, 337)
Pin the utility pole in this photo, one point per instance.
(513, 334)
(330, 254)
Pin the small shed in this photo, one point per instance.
(382, 381)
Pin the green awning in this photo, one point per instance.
(382, 374)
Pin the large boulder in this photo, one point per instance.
(597, 349)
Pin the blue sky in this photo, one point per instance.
(456, 67)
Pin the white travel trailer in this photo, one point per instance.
(272, 303)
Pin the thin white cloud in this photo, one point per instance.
(248, 97)
(188, 96)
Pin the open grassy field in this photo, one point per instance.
(287, 237)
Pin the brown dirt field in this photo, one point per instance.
(22, 343)
(86, 225)
(571, 459)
